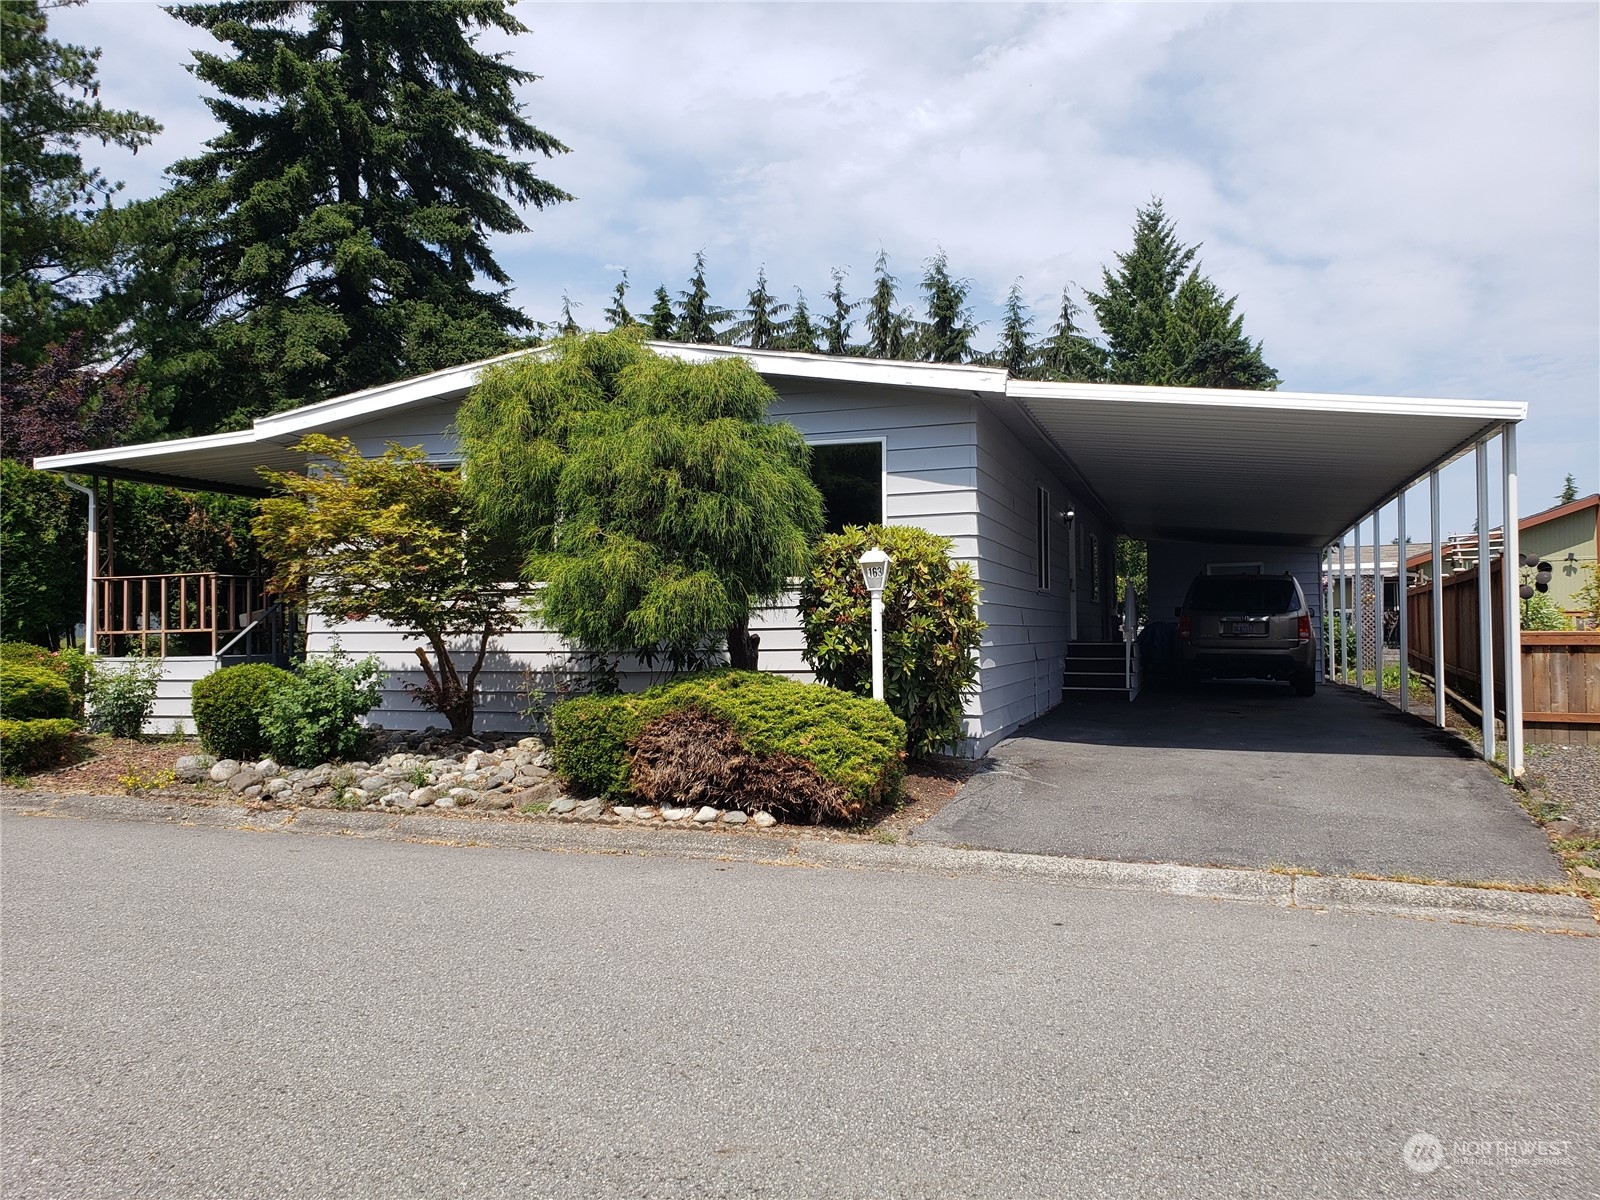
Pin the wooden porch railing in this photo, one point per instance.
(189, 613)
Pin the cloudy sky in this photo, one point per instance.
(1403, 197)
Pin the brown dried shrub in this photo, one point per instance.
(691, 758)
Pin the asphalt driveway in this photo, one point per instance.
(1244, 774)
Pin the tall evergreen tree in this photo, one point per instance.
(836, 325)
(663, 321)
(698, 318)
(329, 238)
(1068, 353)
(1569, 490)
(568, 324)
(761, 326)
(799, 333)
(1165, 323)
(947, 335)
(617, 311)
(56, 245)
(888, 328)
(1016, 351)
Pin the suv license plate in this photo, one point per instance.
(1247, 629)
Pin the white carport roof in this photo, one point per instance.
(1286, 468)
(1187, 464)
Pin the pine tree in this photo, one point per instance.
(1068, 354)
(698, 318)
(888, 328)
(568, 324)
(1165, 323)
(662, 319)
(798, 331)
(1016, 351)
(761, 326)
(56, 244)
(1569, 490)
(328, 239)
(947, 336)
(617, 311)
(836, 326)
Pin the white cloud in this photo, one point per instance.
(1404, 197)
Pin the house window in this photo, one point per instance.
(850, 477)
(1043, 547)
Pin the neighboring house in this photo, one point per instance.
(1565, 536)
(1032, 482)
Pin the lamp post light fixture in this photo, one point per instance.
(875, 573)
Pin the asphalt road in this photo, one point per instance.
(200, 1012)
(1243, 774)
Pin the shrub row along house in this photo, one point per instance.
(1031, 481)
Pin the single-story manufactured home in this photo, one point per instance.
(1032, 482)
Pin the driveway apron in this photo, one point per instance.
(1246, 775)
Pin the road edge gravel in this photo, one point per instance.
(1485, 906)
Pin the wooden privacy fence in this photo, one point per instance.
(1560, 670)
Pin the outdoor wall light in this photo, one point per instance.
(1068, 516)
(875, 573)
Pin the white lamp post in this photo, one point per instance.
(875, 573)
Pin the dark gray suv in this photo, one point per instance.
(1248, 626)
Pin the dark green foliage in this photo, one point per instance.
(162, 530)
(947, 336)
(760, 326)
(853, 745)
(1165, 323)
(31, 693)
(34, 745)
(699, 318)
(121, 696)
(228, 706)
(617, 311)
(328, 239)
(888, 328)
(798, 331)
(56, 246)
(310, 717)
(836, 326)
(1016, 351)
(662, 319)
(650, 496)
(931, 627)
(42, 531)
(70, 663)
(1569, 490)
(1068, 353)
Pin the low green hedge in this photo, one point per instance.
(857, 745)
(229, 705)
(69, 662)
(31, 693)
(31, 745)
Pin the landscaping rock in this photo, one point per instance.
(673, 814)
(563, 806)
(764, 820)
(268, 768)
(223, 771)
(277, 786)
(543, 793)
(193, 768)
(625, 811)
(646, 812)
(246, 777)
(734, 818)
(590, 810)
(373, 784)
(394, 799)
(706, 815)
(423, 796)
(497, 801)
(445, 802)
(463, 797)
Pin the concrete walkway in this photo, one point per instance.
(1245, 775)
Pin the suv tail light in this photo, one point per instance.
(1305, 629)
(1185, 626)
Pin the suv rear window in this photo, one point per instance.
(1254, 595)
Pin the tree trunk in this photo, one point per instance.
(743, 646)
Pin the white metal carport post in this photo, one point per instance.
(1357, 603)
(1377, 606)
(1436, 598)
(1510, 594)
(1485, 606)
(1400, 587)
(1327, 612)
(1344, 621)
